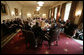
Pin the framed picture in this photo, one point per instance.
(16, 11)
(3, 9)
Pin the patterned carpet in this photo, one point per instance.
(65, 46)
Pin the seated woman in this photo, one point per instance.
(53, 34)
(78, 32)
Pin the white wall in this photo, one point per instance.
(10, 7)
(31, 10)
(26, 9)
(13, 4)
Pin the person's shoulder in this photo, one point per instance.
(29, 26)
(34, 26)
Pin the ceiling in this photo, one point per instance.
(34, 3)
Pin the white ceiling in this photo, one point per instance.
(34, 3)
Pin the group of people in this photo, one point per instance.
(10, 26)
(42, 22)
(39, 33)
(39, 27)
(72, 30)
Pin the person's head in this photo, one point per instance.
(27, 22)
(75, 26)
(60, 17)
(37, 23)
(58, 24)
(3, 21)
(7, 20)
(24, 22)
(52, 25)
(80, 26)
(62, 20)
(68, 21)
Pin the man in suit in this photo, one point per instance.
(26, 26)
(37, 31)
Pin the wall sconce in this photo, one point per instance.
(78, 13)
(28, 15)
(44, 15)
(52, 14)
(59, 14)
(20, 13)
(12, 13)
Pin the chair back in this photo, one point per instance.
(29, 35)
(56, 34)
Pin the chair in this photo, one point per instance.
(54, 38)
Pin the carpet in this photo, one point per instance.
(66, 45)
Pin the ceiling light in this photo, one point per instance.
(40, 3)
(29, 15)
(19, 13)
(78, 13)
(38, 7)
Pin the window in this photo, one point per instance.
(55, 14)
(67, 10)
